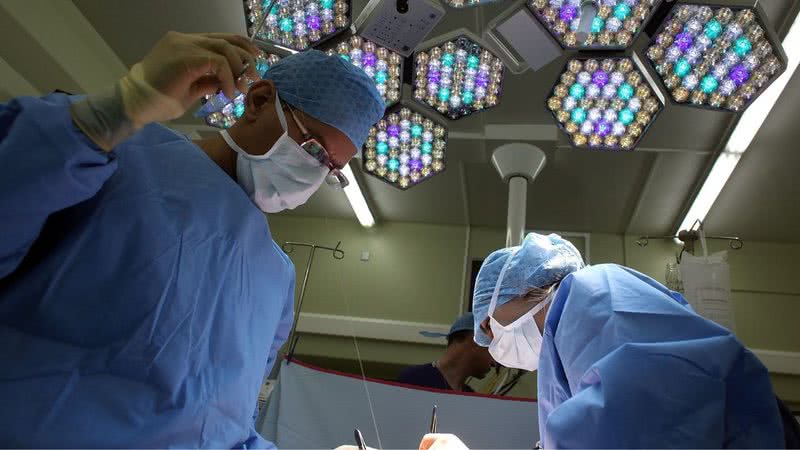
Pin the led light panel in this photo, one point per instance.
(405, 148)
(468, 3)
(297, 24)
(458, 78)
(384, 66)
(221, 112)
(604, 104)
(715, 57)
(615, 26)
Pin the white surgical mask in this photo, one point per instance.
(518, 344)
(283, 178)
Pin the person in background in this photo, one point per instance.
(142, 298)
(462, 359)
(623, 362)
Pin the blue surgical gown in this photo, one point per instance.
(626, 363)
(142, 298)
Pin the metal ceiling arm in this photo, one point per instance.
(288, 247)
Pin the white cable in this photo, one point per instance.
(366, 387)
(502, 381)
(361, 364)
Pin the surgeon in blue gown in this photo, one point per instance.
(142, 298)
(623, 362)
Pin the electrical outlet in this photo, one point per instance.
(365, 255)
(383, 24)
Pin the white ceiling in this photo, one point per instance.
(82, 45)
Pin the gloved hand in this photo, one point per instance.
(441, 442)
(429, 442)
(181, 69)
(178, 71)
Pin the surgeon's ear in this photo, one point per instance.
(486, 328)
(260, 98)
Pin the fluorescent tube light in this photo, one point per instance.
(743, 134)
(357, 200)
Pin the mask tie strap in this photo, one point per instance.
(235, 147)
(496, 293)
(281, 114)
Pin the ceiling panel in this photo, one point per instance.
(576, 191)
(132, 27)
(759, 201)
(670, 181)
(27, 57)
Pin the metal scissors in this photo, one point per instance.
(359, 440)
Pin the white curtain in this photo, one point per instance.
(313, 408)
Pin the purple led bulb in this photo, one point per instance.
(600, 78)
(739, 74)
(602, 128)
(368, 59)
(683, 41)
(568, 13)
(313, 22)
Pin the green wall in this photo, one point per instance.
(413, 273)
(420, 273)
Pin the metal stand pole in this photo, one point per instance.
(288, 247)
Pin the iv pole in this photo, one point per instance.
(690, 237)
(288, 247)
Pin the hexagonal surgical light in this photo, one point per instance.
(384, 66)
(716, 57)
(594, 24)
(458, 78)
(405, 148)
(297, 24)
(221, 112)
(604, 104)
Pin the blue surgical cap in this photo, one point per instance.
(463, 323)
(330, 90)
(539, 262)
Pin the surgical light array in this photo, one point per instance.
(405, 148)
(614, 27)
(458, 78)
(384, 66)
(221, 112)
(297, 24)
(718, 58)
(705, 55)
(604, 104)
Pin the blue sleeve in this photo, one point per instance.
(641, 370)
(46, 164)
(640, 397)
(287, 316)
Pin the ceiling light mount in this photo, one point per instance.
(296, 24)
(405, 148)
(458, 76)
(594, 24)
(607, 102)
(716, 56)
